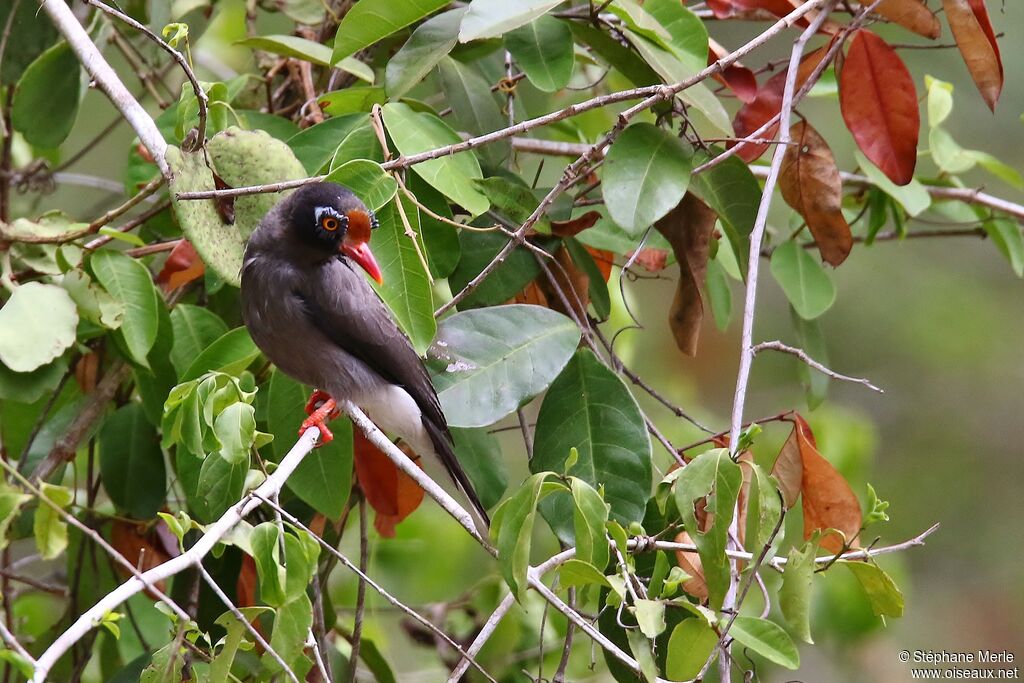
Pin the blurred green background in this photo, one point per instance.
(938, 323)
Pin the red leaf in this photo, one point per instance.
(972, 29)
(604, 260)
(182, 266)
(768, 103)
(879, 105)
(736, 77)
(652, 260)
(143, 548)
(810, 183)
(388, 490)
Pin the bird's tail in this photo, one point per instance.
(445, 450)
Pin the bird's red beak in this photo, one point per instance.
(359, 251)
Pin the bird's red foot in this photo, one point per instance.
(320, 408)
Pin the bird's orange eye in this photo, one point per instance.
(329, 223)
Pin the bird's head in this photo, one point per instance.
(329, 218)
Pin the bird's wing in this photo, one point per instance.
(342, 305)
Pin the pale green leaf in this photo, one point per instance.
(428, 44)
(492, 18)
(767, 639)
(807, 286)
(30, 339)
(543, 49)
(370, 20)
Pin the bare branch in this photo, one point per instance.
(802, 355)
(101, 72)
(193, 556)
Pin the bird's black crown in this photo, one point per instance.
(322, 215)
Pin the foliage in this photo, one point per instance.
(133, 400)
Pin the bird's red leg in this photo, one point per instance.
(320, 408)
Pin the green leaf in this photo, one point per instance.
(714, 476)
(810, 339)
(235, 428)
(131, 463)
(689, 648)
(166, 664)
(474, 108)
(940, 100)
(576, 573)
(806, 284)
(367, 180)
(590, 515)
(616, 55)
(94, 303)
(220, 667)
(764, 507)
(292, 622)
(324, 478)
(885, 597)
(11, 500)
(478, 249)
(499, 357)
(350, 100)
(650, 615)
(544, 50)
(589, 408)
(644, 654)
(688, 37)
(512, 533)
(492, 18)
(513, 199)
(1005, 234)
(31, 36)
(49, 528)
(37, 325)
(597, 288)
(308, 50)
(219, 485)
(428, 44)
(129, 282)
(441, 239)
(29, 387)
(47, 97)
(315, 146)
(716, 284)
(734, 193)
(249, 157)
(479, 453)
(370, 20)
(913, 196)
(231, 353)
(195, 328)
(267, 554)
(452, 175)
(406, 288)
(646, 173)
(795, 594)
(767, 639)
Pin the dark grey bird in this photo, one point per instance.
(318, 319)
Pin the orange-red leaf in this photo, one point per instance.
(573, 227)
(604, 260)
(810, 183)
(828, 500)
(879, 105)
(143, 548)
(973, 32)
(650, 259)
(690, 563)
(388, 490)
(688, 229)
(767, 104)
(182, 266)
(912, 15)
(736, 77)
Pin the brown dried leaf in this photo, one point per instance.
(789, 471)
(973, 32)
(143, 548)
(745, 460)
(688, 229)
(810, 183)
(86, 371)
(604, 260)
(651, 260)
(691, 564)
(912, 15)
(183, 265)
(828, 500)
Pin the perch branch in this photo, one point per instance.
(101, 72)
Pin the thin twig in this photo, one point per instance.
(203, 100)
(364, 562)
(802, 355)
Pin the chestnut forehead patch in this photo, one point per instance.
(359, 225)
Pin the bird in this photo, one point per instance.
(318, 319)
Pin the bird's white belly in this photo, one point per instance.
(393, 410)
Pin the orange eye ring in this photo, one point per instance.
(329, 223)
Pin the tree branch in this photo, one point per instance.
(802, 355)
(101, 72)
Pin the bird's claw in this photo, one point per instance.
(320, 408)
